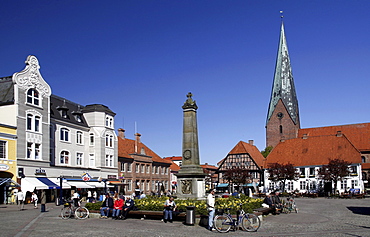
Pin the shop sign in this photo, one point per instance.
(112, 176)
(4, 167)
(85, 177)
(40, 172)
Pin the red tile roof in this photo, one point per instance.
(174, 167)
(127, 147)
(358, 134)
(210, 167)
(314, 151)
(365, 166)
(173, 158)
(243, 147)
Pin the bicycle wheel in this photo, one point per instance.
(81, 213)
(250, 222)
(222, 223)
(66, 213)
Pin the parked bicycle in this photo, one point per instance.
(224, 221)
(69, 209)
(290, 206)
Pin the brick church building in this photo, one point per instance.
(310, 148)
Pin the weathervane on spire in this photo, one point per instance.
(281, 14)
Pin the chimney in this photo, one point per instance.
(339, 133)
(138, 135)
(121, 133)
(251, 142)
(305, 136)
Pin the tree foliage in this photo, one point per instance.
(237, 175)
(282, 172)
(267, 151)
(335, 171)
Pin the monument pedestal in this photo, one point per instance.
(191, 186)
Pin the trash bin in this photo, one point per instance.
(190, 215)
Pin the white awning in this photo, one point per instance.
(65, 185)
(79, 184)
(99, 184)
(30, 184)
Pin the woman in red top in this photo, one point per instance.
(118, 204)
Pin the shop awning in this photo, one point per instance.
(49, 183)
(30, 184)
(9, 181)
(250, 185)
(117, 183)
(79, 184)
(222, 186)
(65, 185)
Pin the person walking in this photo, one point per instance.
(89, 196)
(43, 201)
(211, 208)
(20, 199)
(169, 207)
(34, 199)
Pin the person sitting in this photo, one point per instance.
(169, 207)
(129, 205)
(267, 202)
(276, 203)
(106, 206)
(117, 208)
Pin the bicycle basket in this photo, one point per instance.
(220, 211)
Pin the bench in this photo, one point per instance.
(263, 210)
(155, 214)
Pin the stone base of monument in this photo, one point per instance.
(191, 187)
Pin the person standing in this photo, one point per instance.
(76, 199)
(20, 199)
(211, 208)
(95, 196)
(43, 201)
(169, 207)
(34, 199)
(89, 196)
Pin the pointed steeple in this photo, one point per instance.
(283, 85)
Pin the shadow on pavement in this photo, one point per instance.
(360, 210)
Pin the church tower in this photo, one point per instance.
(283, 116)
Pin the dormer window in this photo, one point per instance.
(33, 97)
(142, 151)
(63, 110)
(78, 114)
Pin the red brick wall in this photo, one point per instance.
(289, 129)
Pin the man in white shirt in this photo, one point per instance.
(211, 208)
(20, 199)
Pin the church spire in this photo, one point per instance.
(283, 85)
(283, 115)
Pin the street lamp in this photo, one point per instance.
(61, 177)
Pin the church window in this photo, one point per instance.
(281, 128)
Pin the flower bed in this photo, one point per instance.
(156, 204)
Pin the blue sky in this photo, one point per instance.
(141, 58)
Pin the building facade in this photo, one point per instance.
(141, 169)
(56, 137)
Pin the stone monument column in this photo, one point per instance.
(190, 178)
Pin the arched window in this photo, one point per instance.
(33, 97)
(64, 134)
(64, 157)
(79, 137)
(92, 140)
(29, 121)
(37, 124)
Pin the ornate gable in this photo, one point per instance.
(31, 77)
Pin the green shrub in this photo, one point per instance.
(93, 206)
